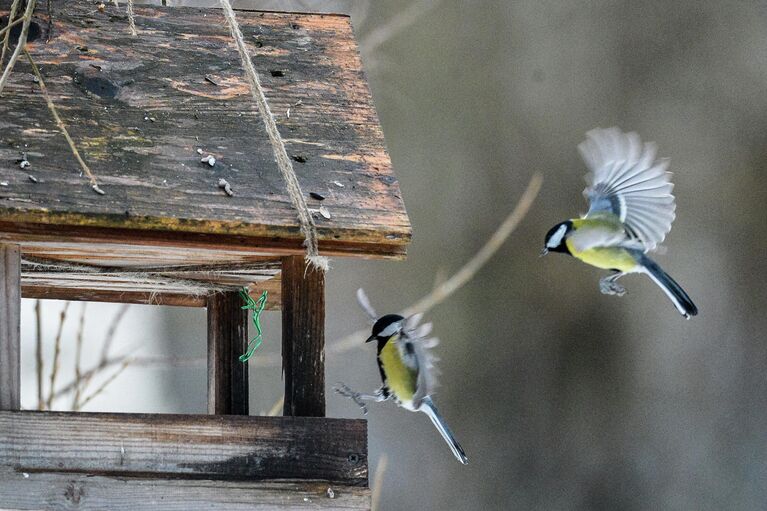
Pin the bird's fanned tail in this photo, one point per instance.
(427, 406)
(674, 291)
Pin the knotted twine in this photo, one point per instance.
(308, 227)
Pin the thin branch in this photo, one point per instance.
(78, 353)
(107, 382)
(400, 21)
(56, 355)
(276, 407)
(136, 362)
(20, 44)
(39, 355)
(466, 273)
(7, 28)
(481, 258)
(108, 340)
(11, 22)
(375, 499)
(62, 127)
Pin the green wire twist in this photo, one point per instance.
(257, 307)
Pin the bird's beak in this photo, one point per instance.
(371, 338)
(544, 252)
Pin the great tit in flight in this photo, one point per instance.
(407, 368)
(631, 209)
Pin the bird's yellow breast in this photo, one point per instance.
(607, 258)
(400, 379)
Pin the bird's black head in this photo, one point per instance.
(555, 238)
(385, 327)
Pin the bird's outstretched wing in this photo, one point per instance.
(625, 179)
(418, 337)
(364, 302)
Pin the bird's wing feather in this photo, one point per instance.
(423, 357)
(364, 302)
(625, 179)
(597, 234)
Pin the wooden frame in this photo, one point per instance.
(85, 459)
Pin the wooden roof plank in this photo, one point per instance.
(140, 108)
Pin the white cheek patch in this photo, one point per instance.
(556, 238)
(390, 330)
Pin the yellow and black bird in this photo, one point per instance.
(631, 209)
(407, 368)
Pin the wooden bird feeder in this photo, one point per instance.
(143, 112)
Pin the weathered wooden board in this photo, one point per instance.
(57, 491)
(186, 446)
(10, 327)
(188, 286)
(303, 338)
(140, 107)
(227, 339)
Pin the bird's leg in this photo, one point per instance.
(609, 286)
(359, 398)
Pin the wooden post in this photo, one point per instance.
(303, 338)
(10, 327)
(227, 340)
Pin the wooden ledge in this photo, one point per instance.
(35, 491)
(224, 447)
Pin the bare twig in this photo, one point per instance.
(11, 22)
(110, 335)
(62, 127)
(455, 282)
(108, 340)
(375, 499)
(7, 29)
(107, 382)
(401, 20)
(78, 361)
(39, 355)
(276, 407)
(136, 362)
(56, 355)
(21, 44)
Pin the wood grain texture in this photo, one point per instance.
(303, 338)
(139, 108)
(227, 340)
(224, 447)
(51, 491)
(10, 327)
(188, 286)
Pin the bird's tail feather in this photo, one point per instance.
(674, 291)
(429, 409)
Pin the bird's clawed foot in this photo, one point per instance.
(609, 286)
(346, 391)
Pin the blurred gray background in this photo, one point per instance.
(563, 398)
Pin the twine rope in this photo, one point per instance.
(40, 269)
(306, 221)
(131, 18)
